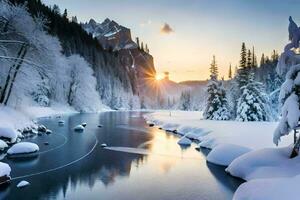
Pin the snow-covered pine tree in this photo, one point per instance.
(185, 100)
(216, 104)
(252, 105)
(289, 66)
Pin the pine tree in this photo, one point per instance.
(142, 46)
(185, 100)
(214, 69)
(262, 60)
(254, 60)
(252, 105)
(65, 15)
(230, 72)
(216, 104)
(249, 60)
(243, 71)
(138, 42)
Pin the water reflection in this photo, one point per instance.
(155, 168)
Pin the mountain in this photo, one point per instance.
(137, 62)
(124, 75)
(170, 89)
(110, 34)
(194, 83)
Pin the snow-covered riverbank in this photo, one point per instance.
(245, 147)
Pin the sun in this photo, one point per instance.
(158, 77)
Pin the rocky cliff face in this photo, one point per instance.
(138, 64)
(110, 34)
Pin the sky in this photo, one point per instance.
(183, 35)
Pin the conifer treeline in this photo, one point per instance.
(253, 90)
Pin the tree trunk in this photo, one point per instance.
(4, 91)
(18, 66)
(295, 151)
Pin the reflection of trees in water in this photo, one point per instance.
(87, 172)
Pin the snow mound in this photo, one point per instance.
(275, 189)
(79, 128)
(3, 145)
(184, 141)
(224, 154)
(4, 169)
(22, 148)
(23, 184)
(9, 133)
(265, 163)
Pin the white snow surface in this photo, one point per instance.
(231, 151)
(10, 133)
(211, 133)
(184, 141)
(23, 184)
(3, 145)
(4, 169)
(246, 148)
(23, 147)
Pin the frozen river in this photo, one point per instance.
(139, 163)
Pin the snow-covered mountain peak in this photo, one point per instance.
(110, 34)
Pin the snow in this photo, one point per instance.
(79, 128)
(211, 132)
(275, 189)
(224, 154)
(245, 147)
(184, 141)
(4, 169)
(23, 147)
(3, 145)
(23, 184)
(8, 133)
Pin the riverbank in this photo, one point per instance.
(246, 148)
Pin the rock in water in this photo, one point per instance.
(23, 148)
(4, 173)
(184, 141)
(48, 131)
(100, 126)
(103, 145)
(42, 128)
(79, 128)
(23, 184)
(83, 124)
(61, 122)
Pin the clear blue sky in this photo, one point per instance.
(201, 28)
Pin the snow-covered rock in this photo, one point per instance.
(270, 188)
(224, 154)
(184, 141)
(42, 128)
(79, 128)
(23, 184)
(48, 131)
(8, 133)
(3, 145)
(83, 124)
(265, 163)
(23, 148)
(4, 169)
(103, 145)
(61, 122)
